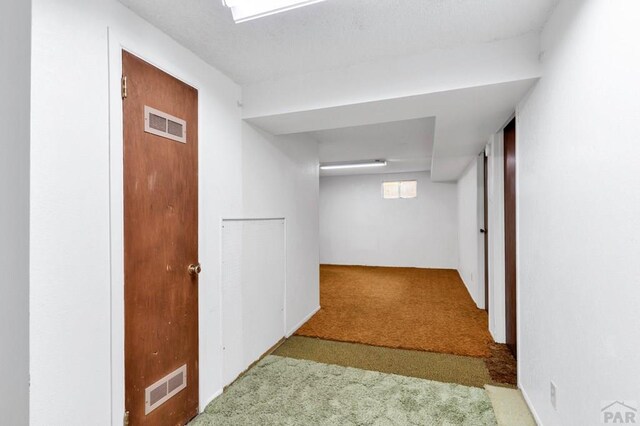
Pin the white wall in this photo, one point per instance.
(281, 180)
(359, 227)
(579, 214)
(15, 49)
(470, 221)
(72, 271)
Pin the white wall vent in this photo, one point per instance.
(162, 124)
(164, 389)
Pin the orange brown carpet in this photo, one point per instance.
(409, 308)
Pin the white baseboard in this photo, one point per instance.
(301, 323)
(530, 405)
(497, 338)
(214, 396)
(468, 288)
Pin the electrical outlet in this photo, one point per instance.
(553, 392)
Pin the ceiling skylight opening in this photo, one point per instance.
(246, 10)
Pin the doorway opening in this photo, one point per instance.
(510, 235)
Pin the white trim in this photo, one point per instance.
(518, 265)
(116, 43)
(220, 310)
(284, 302)
(116, 225)
(506, 123)
(530, 405)
(482, 237)
(497, 321)
(301, 323)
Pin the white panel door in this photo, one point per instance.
(253, 291)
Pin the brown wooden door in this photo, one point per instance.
(160, 242)
(510, 234)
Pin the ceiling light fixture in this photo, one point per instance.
(246, 10)
(353, 165)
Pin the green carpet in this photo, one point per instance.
(463, 370)
(287, 391)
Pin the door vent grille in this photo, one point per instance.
(157, 123)
(164, 389)
(162, 124)
(174, 129)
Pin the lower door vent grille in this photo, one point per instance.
(164, 389)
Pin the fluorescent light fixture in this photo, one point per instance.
(246, 10)
(353, 165)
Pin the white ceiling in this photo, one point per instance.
(464, 120)
(440, 128)
(336, 33)
(406, 145)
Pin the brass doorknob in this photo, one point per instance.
(195, 269)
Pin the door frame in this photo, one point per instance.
(516, 117)
(485, 226)
(144, 49)
(513, 234)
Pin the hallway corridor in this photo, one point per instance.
(426, 310)
(388, 346)
(409, 308)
